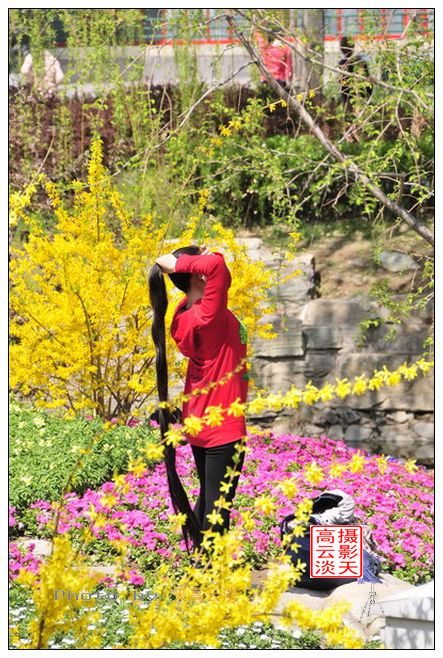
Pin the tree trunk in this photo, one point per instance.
(313, 25)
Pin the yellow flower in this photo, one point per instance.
(411, 466)
(382, 463)
(235, 124)
(214, 416)
(108, 500)
(343, 387)
(360, 385)
(375, 382)
(236, 408)
(357, 462)
(100, 521)
(177, 521)
(336, 469)
(154, 451)
(313, 473)
(173, 437)
(408, 372)
(25, 577)
(310, 395)
(248, 522)
(265, 504)
(193, 425)
(225, 487)
(119, 480)
(392, 378)
(425, 366)
(288, 488)
(214, 518)
(137, 468)
(223, 503)
(326, 393)
(225, 130)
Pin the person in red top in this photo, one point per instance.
(277, 57)
(215, 341)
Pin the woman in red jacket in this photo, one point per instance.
(215, 342)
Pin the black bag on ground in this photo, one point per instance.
(302, 552)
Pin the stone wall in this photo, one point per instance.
(318, 341)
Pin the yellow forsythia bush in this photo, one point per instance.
(81, 315)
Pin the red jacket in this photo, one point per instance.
(277, 57)
(215, 342)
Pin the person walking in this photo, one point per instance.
(215, 342)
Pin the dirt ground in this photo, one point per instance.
(347, 266)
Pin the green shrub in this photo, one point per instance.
(45, 448)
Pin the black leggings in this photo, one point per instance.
(211, 467)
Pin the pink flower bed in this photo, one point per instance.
(398, 504)
(22, 558)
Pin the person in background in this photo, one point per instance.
(352, 89)
(52, 76)
(277, 58)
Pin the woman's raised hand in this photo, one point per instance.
(204, 250)
(167, 263)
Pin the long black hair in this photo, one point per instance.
(159, 303)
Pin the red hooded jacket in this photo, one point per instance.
(215, 342)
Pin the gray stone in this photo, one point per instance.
(335, 432)
(333, 312)
(425, 430)
(350, 416)
(367, 422)
(405, 445)
(399, 438)
(395, 261)
(43, 547)
(408, 339)
(330, 417)
(425, 453)
(297, 289)
(357, 594)
(279, 374)
(318, 365)
(289, 342)
(400, 417)
(103, 569)
(357, 433)
(313, 430)
(321, 337)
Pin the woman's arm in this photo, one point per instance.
(218, 279)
